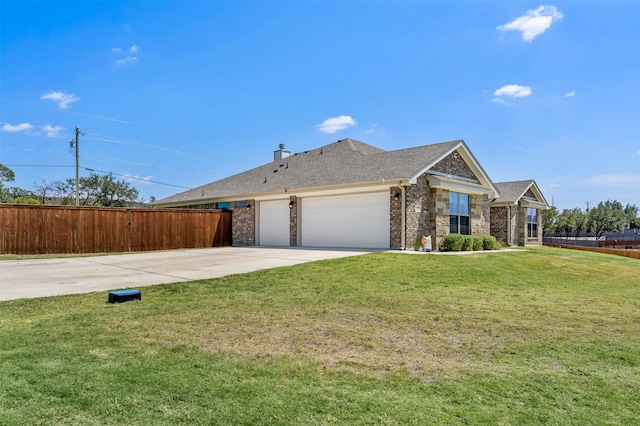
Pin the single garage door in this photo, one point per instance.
(360, 220)
(274, 223)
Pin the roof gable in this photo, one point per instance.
(512, 193)
(462, 161)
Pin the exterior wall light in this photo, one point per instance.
(248, 207)
(291, 203)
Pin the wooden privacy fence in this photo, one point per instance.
(620, 244)
(634, 254)
(36, 229)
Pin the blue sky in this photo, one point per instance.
(173, 95)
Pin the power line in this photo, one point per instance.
(99, 159)
(161, 148)
(102, 159)
(136, 178)
(36, 165)
(116, 120)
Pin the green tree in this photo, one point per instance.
(549, 221)
(608, 216)
(563, 223)
(580, 222)
(100, 190)
(631, 212)
(46, 191)
(6, 175)
(17, 195)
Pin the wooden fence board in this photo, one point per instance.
(33, 229)
(633, 254)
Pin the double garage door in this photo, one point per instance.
(353, 221)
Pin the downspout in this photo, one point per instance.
(403, 218)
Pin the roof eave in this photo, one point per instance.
(459, 186)
(349, 188)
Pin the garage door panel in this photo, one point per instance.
(274, 223)
(360, 220)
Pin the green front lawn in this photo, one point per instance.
(543, 336)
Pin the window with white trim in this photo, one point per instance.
(532, 223)
(459, 213)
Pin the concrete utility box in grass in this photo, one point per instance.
(120, 296)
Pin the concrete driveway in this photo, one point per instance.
(21, 279)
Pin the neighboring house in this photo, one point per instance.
(516, 215)
(350, 194)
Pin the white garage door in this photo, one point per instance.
(274, 223)
(360, 220)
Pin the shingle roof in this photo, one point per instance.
(511, 192)
(344, 162)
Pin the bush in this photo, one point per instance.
(477, 243)
(489, 242)
(452, 242)
(457, 242)
(467, 245)
(417, 243)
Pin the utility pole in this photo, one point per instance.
(588, 202)
(77, 167)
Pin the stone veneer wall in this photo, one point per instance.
(417, 222)
(479, 214)
(438, 215)
(499, 223)
(513, 222)
(433, 215)
(454, 165)
(395, 215)
(243, 224)
(522, 228)
(293, 221)
(541, 214)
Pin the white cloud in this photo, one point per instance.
(126, 60)
(534, 22)
(570, 94)
(52, 131)
(513, 91)
(554, 185)
(500, 101)
(332, 125)
(137, 179)
(63, 99)
(375, 129)
(12, 128)
(129, 59)
(615, 180)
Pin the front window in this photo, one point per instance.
(532, 223)
(459, 213)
